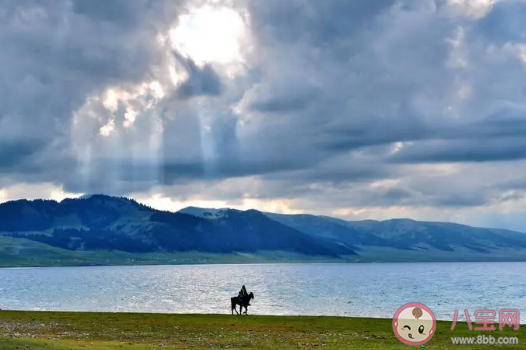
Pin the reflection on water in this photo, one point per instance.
(280, 289)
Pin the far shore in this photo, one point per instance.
(99, 258)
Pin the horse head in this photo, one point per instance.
(251, 295)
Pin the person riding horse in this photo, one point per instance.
(243, 300)
(242, 293)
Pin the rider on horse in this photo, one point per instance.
(243, 300)
(243, 293)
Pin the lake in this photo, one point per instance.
(375, 290)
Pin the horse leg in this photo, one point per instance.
(233, 306)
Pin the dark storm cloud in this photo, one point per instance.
(286, 102)
(333, 86)
(322, 24)
(14, 154)
(351, 85)
(54, 54)
(498, 137)
(362, 133)
(115, 11)
(463, 151)
(452, 200)
(227, 168)
(393, 82)
(93, 51)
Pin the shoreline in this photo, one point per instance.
(219, 263)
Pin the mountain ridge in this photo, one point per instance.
(109, 226)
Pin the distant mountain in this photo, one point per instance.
(404, 239)
(405, 234)
(99, 222)
(99, 229)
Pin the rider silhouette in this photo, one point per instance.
(243, 293)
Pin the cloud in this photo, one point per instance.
(200, 81)
(504, 24)
(114, 11)
(346, 108)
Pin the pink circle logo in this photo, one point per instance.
(414, 324)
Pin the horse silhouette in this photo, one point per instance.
(243, 302)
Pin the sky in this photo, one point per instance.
(356, 109)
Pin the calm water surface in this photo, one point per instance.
(376, 290)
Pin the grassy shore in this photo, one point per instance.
(20, 252)
(131, 331)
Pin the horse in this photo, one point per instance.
(243, 303)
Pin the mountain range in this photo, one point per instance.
(100, 229)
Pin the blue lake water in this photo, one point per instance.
(375, 290)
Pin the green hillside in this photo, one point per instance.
(104, 230)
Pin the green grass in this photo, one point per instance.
(129, 331)
(20, 252)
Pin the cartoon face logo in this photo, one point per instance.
(414, 324)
